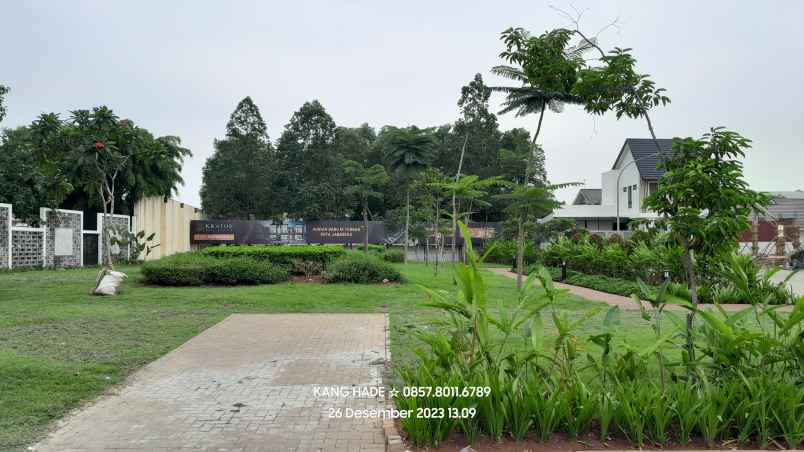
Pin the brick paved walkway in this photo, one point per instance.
(624, 303)
(246, 384)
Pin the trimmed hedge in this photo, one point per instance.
(362, 269)
(284, 255)
(196, 269)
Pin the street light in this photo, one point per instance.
(618, 183)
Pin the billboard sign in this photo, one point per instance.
(333, 231)
(230, 231)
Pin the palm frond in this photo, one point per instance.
(510, 72)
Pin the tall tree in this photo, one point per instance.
(409, 151)
(477, 130)
(365, 185)
(547, 69)
(705, 201)
(309, 183)
(356, 144)
(237, 177)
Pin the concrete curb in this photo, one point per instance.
(393, 440)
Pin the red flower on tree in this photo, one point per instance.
(99, 145)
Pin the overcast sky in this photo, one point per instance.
(179, 68)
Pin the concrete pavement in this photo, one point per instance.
(246, 384)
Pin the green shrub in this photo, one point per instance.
(284, 255)
(504, 252)
(195, 269)
(395, 256)
(362, 269)
(185, 269)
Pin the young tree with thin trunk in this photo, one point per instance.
(546, 68)
(409, 152)
(92, 152)
(705, 202)
(365, 184)
(466, 191)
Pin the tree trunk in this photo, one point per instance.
(438, 248)
(366, 227)
(107, 246)
(539, 125)
(693, 286)
(407, 223)
(520, 252)
(454, 208)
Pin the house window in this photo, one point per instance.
(630, 198)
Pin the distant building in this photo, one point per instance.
(632, 177)
(635, 174)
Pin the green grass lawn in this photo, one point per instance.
(60, 346)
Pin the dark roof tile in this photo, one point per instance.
(644, 152)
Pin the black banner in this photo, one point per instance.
(230, 231)
(333, 231)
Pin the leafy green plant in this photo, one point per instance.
(137, 243)
(361, 269)
(743, 281)
(687, 410)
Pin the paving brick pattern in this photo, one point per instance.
(246, 384)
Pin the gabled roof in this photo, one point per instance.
(643, 150)
(588, 197)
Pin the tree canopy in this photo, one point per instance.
(57, 162)
(237, 177)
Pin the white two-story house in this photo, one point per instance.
(633, 176)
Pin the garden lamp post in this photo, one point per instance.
(619, 174)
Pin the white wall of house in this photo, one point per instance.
(608, 192)
(630, 181)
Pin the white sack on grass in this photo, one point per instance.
(109, 284)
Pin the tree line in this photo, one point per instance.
(319, 170)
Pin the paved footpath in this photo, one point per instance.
(246, 384)
(624, 303)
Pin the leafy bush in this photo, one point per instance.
(630, 260)
(283, 255)
(195, 269)
(395, 256)
(504, 252)
(362, 269)
(742, 280)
